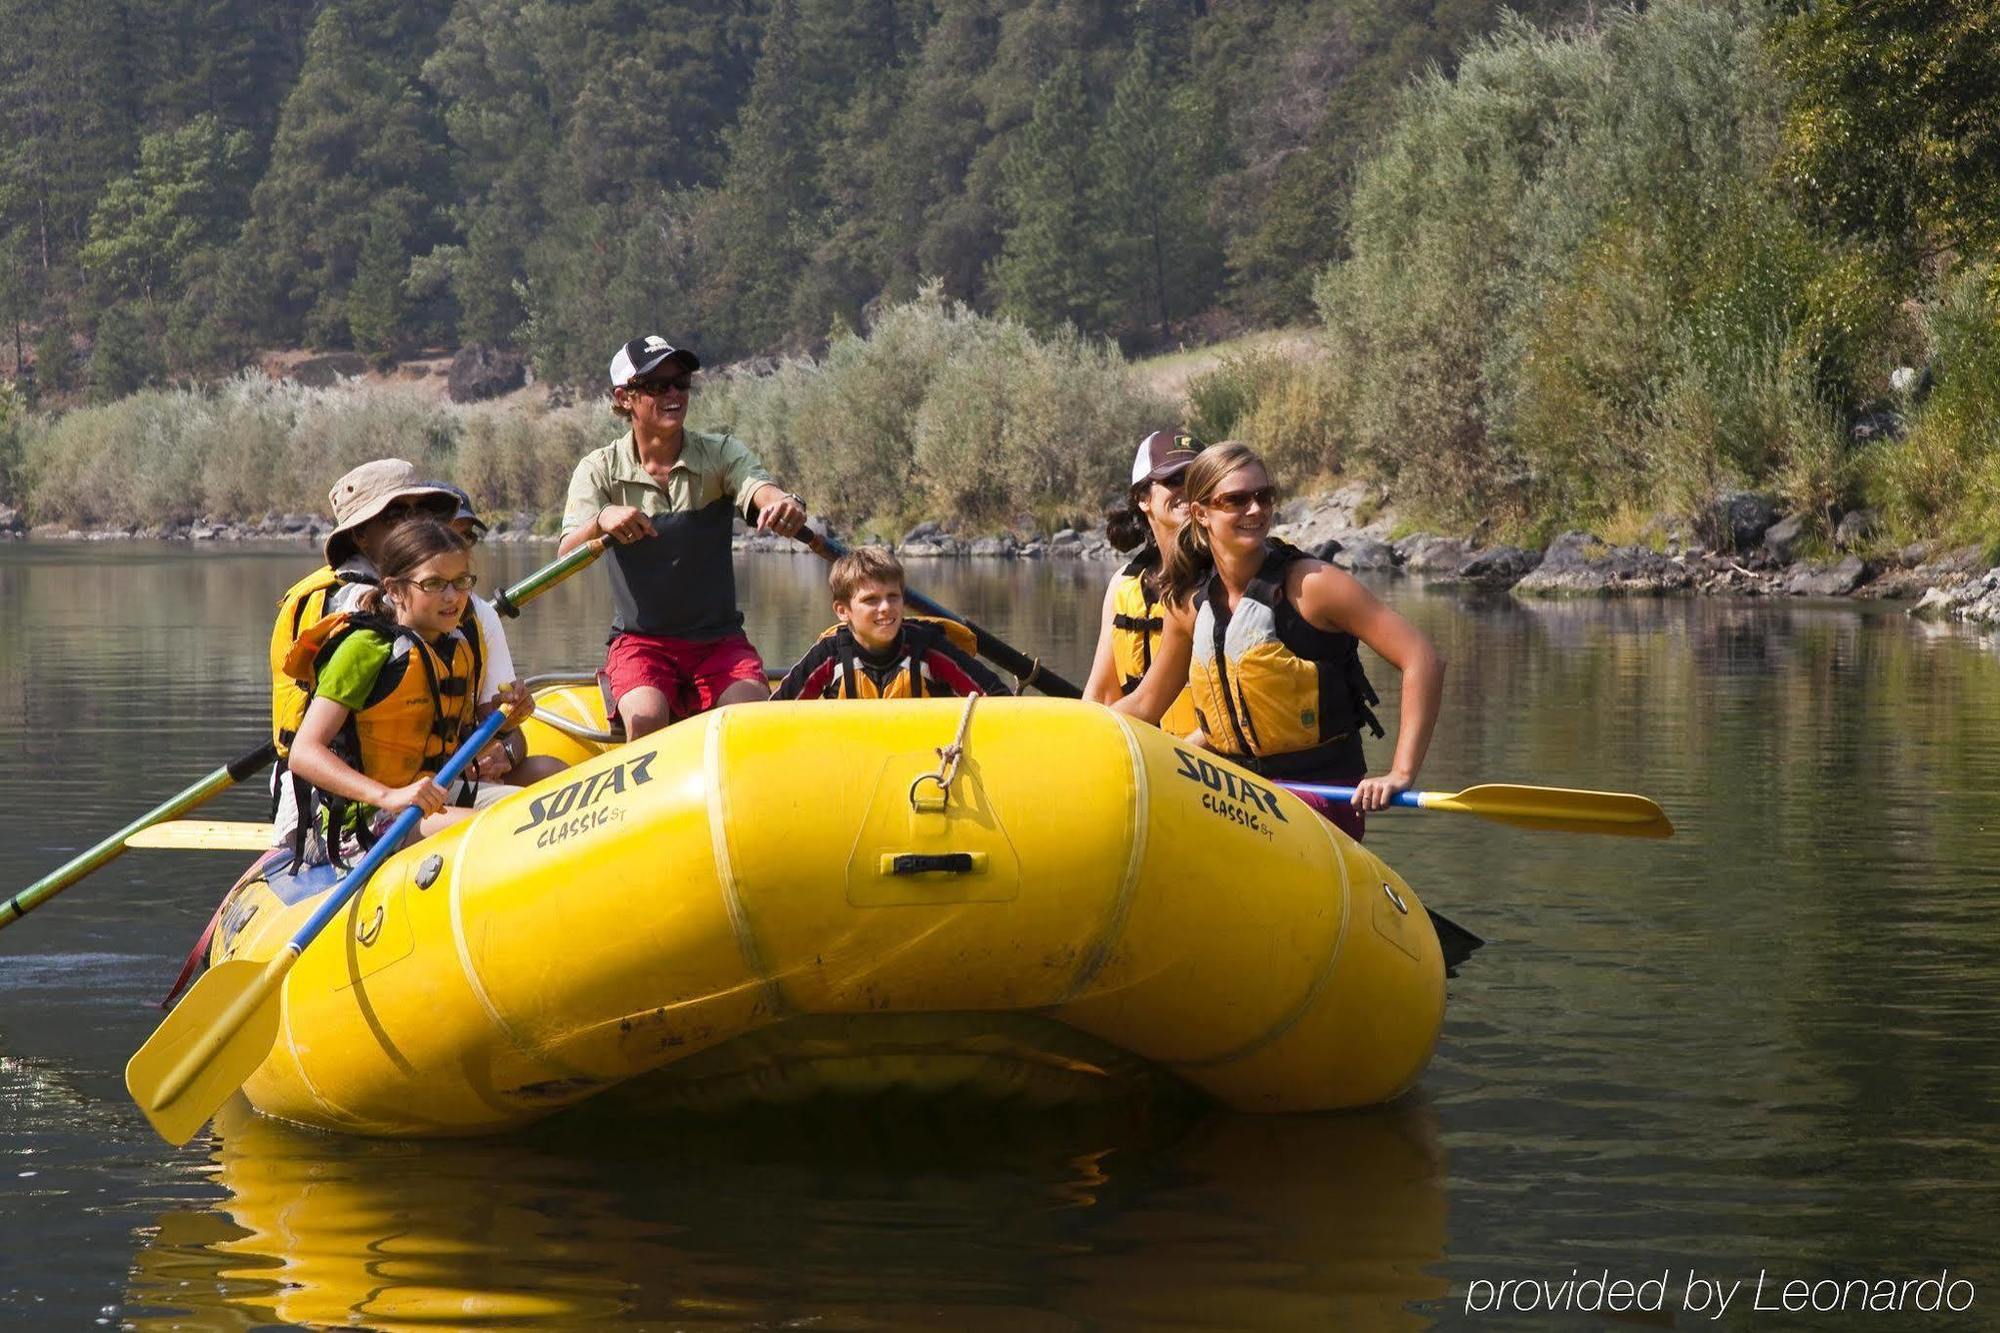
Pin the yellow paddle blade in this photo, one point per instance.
(1559, 809)
(205, 835)
(213, 1040)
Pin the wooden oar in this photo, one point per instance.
(49, 885)
(509, 603)
(1552, 809)
(1029, 670)
(204, 835)
(218, 1035)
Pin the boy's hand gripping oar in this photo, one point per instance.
(216, 1037)
(1553, 809)
(508, 603)
(1029, 670)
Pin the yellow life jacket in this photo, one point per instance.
(1136, 622)
(304, 605)
(413, 727)
(920, 635)
(1266, 681)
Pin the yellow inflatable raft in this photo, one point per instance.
(773, 898)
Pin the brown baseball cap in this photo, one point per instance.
(368, 491)
(1164, 454)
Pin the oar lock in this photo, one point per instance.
(1395, 897)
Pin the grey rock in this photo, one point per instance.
(1004, 545)
(1327, 549)
(1066, 537)
(478, 372)
(1032, 551)
(11, 520)
(1781, 540)
(1368, 555)
(1878, 426)
(1498, 566)
(49, 531)
(1855, 527)
(921, 532)
(1740, 520)
(1837, 580)
(1429, 554)
(1580, 564)
(941, 544)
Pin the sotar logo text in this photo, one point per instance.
(586, 792)
(1238, 800)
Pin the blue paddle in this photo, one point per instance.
(217, 1036)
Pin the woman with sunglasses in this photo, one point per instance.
(1128, 636)
(1267, 640)
(390, 697)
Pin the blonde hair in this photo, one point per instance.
(1187, 563)
(863, 564)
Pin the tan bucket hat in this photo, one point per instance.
(368, 491)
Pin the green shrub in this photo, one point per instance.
(1943, 478)
(1288, 407)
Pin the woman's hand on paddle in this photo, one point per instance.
(424, 794)
(1376, 793)
(624, 524)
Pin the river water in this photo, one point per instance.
(1768, 1046)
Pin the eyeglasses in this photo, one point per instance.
(435, 585)
(1236, 502)
(671, 384)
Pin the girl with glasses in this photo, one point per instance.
(1267, 641)
(390, 696)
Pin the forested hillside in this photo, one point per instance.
(1570, 266)
(186, 180)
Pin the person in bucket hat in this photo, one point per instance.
(667, 497)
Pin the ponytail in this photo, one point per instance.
(1125, 527)
(1188, 562)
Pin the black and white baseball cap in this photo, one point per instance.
(642, 355)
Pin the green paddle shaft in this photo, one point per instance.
(509, 602)
(221, 780)
(1029, 670)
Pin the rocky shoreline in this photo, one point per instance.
(1745, 548)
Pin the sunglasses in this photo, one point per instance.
(1236, 502)
(435, 585)
(671, 384)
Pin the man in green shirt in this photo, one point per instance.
(666, 496)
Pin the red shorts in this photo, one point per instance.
(692, 674)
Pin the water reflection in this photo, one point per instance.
(881, 1214)
(1772, 1041)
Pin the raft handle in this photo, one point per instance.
(920, 863)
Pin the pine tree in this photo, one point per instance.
(357, 138)
(376, 308)
(1161, 259)
(1050, 268)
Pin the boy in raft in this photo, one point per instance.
(1128, 636)
(667, 495)
(876, 652)
(389, 696)
(1267, 639)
